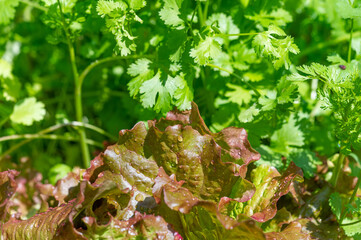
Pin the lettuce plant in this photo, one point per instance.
(169, 179)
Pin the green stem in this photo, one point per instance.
(351, 223)
(205, 12)
(105, 60)
(337, 169)
(34, 5)
(49, 136)
(51, 129)
(350, 42)
(55, 127)
(235, 75)
(354, 191)
(200, 13)
(237, 34)
(78, 86)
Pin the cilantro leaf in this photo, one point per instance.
(225, 25)
(170, 13)
(7, 10)
(66, 5)
(268, 101)
(183, 94)
(118, 17)
(289, 135)
(140, 70)
(28, 111)
(248, 114)
(239, 95)
(275, 48)
(278, 17)
(306, 160)
(150, 89)
(207, 49)
(346, 10)
(269, 157)
(136, 4)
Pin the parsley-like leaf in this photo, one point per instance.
(7, 10)
(239, 95)
(207, 49)
(170, 13)
(278, 17)
(28, 111)
(289, 135)
(275, 48)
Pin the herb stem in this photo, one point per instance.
(235, 34)
(337, 169)
(34, 5)
(236, 76)
(49, 136)
(105, 60)
(350, 42)
(353, 193)
(51, 129)
(205, 12)
(78, 86)
(200, 13)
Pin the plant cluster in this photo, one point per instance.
(280, 76)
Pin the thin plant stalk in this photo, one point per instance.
(78, 100)
(51, 129)
(350, 42)
(337, 169)
(351, 198)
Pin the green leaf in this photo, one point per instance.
(118, 18)
(5, 69)
(170, 13)
(225, 25)
(105, 7)
(140, 70)
(7, 10)
(286, 91)
(248, 115)
(276, 45)
(346, 10)
(57, 172)
(278, 17)
(269, 157)
(306, 160)
(289, 135)
(270, 186)
(268, 101)
(11, 88)
(28, 111)
(352, 229)
(207, 49)
(335, 202)
(239, 95)
(67, 5)
(183, 93)
(136, 4)
(150, 89)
